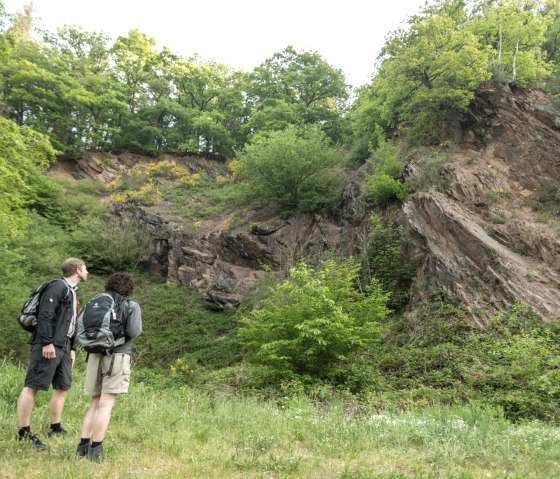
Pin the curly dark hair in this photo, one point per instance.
(121, 283)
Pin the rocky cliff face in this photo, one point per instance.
(489, 237)
(223, 263)
(486, 223)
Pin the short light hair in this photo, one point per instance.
(71, 265)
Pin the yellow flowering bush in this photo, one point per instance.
(234, 167)
(221, 179)
(147, 195)
(115, 183)
(171, 170)
(182, 370)
(191, 180)
(166, 169)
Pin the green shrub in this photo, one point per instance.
(86, 186)
(110, 244)
(386, 158)
(383, 258)
(431, 323)
(75, 207)
(314, 319)
(431, 167)
(384, 189)
(24, 155)
(499, 73)
(291, 168)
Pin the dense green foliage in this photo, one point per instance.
(24, 155)
(428, 73)
(313, 320)
(85, 91)
(292, 88)
(292, 168)
(433, 356)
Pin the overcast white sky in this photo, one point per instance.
(348, 34)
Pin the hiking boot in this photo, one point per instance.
(57, 432)
(82, 450)
(95, 454)
(34, 440)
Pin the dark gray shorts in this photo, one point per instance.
(42, 372)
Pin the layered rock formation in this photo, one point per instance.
(476, 224)
(483, 239)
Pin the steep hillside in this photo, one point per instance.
(483, 217)
(489, 236)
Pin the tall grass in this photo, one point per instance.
(177, 432)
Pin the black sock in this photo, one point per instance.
(24, 430)
(95, 444)
(84, 441)
(56, 427)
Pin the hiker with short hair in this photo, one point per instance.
(52, 351)
(108, 374)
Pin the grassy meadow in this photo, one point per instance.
(178, 432)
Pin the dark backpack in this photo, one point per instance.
(27, 318)
(100, 328)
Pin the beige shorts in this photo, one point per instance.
(99, 381)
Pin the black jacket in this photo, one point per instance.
(55, 315)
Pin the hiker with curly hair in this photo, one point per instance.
(108, 372)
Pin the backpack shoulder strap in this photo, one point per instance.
(123, 305)
(63, 282)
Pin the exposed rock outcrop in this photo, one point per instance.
(224, 264)
(480, 237)
(476, 224)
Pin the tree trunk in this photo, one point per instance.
(500, 38)
(513, 69)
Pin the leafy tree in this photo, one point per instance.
(316, 91)
(551, 45)
(93, 94)
(291, 168)
(135, 63)
(424, 72)
(62, 88)
(314, 319)
(516, 31)
(212, 100)
(24, 155)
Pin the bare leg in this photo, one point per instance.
(103, 416)
(87, 425)
(57, 404)
(25, 404)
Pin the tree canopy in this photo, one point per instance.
(85, 91)
(434, 66)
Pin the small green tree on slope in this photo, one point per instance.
(314, 319)
(291, 168)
